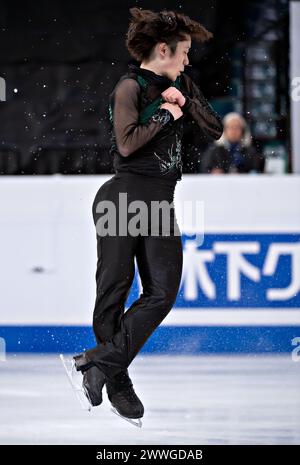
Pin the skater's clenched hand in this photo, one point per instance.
(173, 108)
(173, 95)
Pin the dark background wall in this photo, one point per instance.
(60, 61)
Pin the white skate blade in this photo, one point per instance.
(136, 422)
(79, 390)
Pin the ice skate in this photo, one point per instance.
(125, 403)
(137, 423)
(93, 382)
(75, 379)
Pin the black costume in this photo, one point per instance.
(146, 146)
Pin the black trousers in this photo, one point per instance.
(120, 335)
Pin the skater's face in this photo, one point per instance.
(172, 65)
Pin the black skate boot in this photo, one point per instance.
(123, 398)
(82, 363)
(93, 379)
(92, 383)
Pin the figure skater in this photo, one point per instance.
(148, 108)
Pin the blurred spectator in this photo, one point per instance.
(233, 152)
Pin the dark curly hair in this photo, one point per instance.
(147, 28)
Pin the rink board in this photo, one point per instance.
(241, 278)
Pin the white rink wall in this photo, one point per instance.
(241, 284)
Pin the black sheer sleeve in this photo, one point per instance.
(200, 109)
(130, 135)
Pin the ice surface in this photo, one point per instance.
(188, 400)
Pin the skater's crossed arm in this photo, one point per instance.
(130, 135)
(200, 109)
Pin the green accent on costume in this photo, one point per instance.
(110, 113)
(148, 111)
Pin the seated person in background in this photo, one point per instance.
(233, 152)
